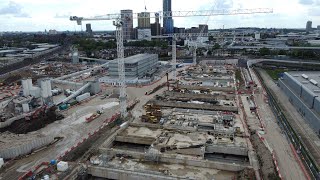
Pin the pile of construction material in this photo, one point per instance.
(153, 114)
(156, 88)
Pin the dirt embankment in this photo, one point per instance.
(268, 169)
(36, 122)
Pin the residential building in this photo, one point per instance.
(88, 28)
(144, 20)
(309, 26)
(127, 27)
(155, 29)
(204, 28)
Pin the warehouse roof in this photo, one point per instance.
(309, 79)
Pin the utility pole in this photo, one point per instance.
(174, 57)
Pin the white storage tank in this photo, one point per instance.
(25, 87)
(83, 97)
(35, 92)
(44, 89)
(1, 162)
(30, 84)
(62, 166)
(25, 108)
(49, 87)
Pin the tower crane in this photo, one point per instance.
(118, 22)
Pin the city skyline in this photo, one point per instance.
(36, 15)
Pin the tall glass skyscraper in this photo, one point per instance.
(167, 21)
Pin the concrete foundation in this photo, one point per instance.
(179, 159)
(195, 106)
(112, 173)
(200, 96)
(190, 87)
(135, 140)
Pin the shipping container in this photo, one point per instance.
(83, 97)
(63, 107)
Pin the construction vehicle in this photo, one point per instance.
(94, 116)
(153, 114)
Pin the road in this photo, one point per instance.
(289, 167)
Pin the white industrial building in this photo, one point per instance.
(303, 91)
(136, 68)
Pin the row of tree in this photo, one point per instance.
(303, 54)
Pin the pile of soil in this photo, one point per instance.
(23, 126)
(268, 169)
(247, 173)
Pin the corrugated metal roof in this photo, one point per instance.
(312, 75)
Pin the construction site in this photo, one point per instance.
(133, 118)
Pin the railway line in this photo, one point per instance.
(302, 150)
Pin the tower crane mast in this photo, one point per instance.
(119, 36)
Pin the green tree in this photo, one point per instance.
(282, 52)
(264, 51)
(211, 38)
(216, 46)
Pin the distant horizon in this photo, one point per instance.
(38, 15)
(37, 31)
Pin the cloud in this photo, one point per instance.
(22, 15)
(306, 2)
(62, 15)
(314, 11)
(13, 9)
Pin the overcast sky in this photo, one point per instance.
(38, 15)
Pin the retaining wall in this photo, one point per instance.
(196, 106)
(25, 148)
(311, 117)
(179, 159)
(235, 150)
(135, 140)
(113, 173)
(190, 87)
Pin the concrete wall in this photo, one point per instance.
(235, 150)
(292, 83)
(135, 140)
(25, 148)
(312, 118)
(180, 159)
(113, 173)
(200, 96)
(190, 87)
(308, 96)
(316, 105)
(196, 106)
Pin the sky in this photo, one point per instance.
(41, 15)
